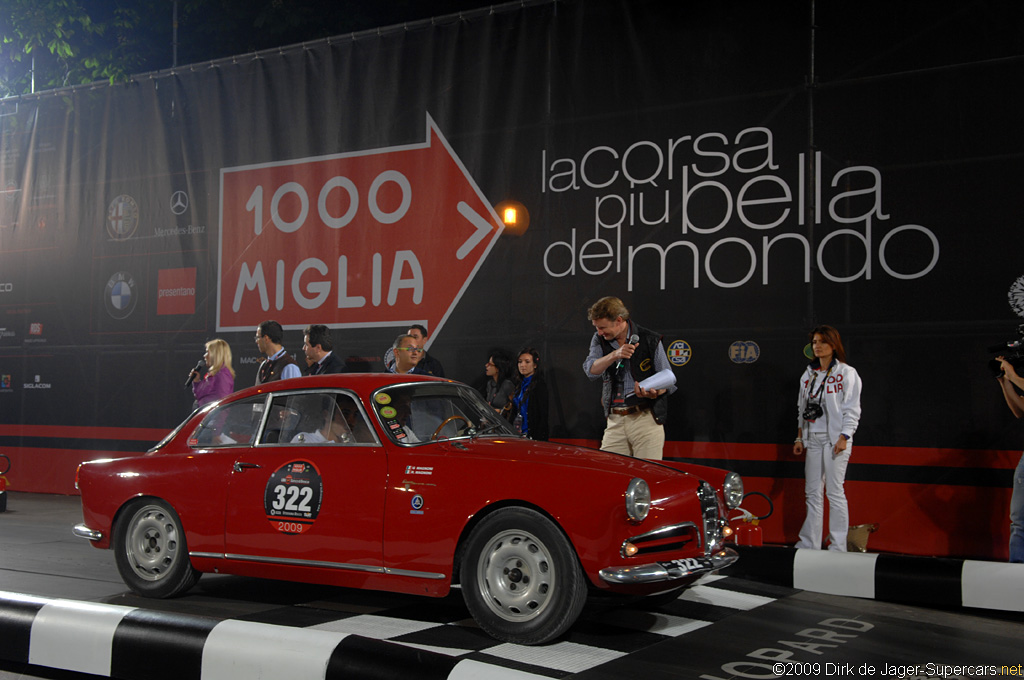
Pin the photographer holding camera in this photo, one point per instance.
(829, 410)
(1013, 385)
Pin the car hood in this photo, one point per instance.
(527, 451)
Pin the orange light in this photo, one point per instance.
(514, 216)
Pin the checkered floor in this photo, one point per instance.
(602, 634)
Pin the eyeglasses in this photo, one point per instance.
(410, 349)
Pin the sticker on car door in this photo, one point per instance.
(293, 496)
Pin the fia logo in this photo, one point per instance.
(744, 352)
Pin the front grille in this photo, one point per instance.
(666, 539)
(712, 518)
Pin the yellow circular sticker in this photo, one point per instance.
(383, 398)
(388, 412)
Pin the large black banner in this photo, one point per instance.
(735, 172)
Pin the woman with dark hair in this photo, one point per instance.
(829, 411)
(530, 399)
(499, 388)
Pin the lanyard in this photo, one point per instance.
(817, 397)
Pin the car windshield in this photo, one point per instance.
(422, 412)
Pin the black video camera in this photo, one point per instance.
(1012, 352)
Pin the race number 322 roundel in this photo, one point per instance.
(293, 496)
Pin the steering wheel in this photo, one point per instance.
(447, 420)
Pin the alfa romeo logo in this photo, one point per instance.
(122, 217)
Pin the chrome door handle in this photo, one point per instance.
(238, 467)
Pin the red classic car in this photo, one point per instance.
(408, 484)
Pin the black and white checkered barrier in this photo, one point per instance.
(132, 643)
(923, 581)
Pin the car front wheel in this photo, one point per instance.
(150, 551)
(520, 577)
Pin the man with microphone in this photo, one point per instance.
(623, 354)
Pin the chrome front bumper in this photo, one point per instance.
(83, 531)
(671, 570)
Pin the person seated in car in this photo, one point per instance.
(403, 408)
(335, 430)
(356, 424)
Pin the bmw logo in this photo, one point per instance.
(120, 295)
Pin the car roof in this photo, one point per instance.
(358, 382)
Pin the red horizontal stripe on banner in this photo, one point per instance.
(81, 432)
(873, 455)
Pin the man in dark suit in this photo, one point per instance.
(319, 350)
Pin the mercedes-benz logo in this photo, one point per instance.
(179, 202)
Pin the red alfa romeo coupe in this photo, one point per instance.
(405, 484)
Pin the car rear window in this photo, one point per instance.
(233, 424)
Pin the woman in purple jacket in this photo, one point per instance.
(219, 380)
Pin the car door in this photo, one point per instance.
(310, 493)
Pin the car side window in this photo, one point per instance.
(417, 414)
(316, 418)
(233, 424)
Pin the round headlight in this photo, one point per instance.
(638, 499)
(732, 490)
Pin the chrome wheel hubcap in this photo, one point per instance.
(152, 543)
(516, 576)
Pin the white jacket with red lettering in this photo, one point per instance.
(840, 398)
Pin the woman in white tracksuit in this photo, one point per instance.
(829, 410)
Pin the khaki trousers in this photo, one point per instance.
(636, 435)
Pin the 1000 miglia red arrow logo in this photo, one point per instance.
(384, 237)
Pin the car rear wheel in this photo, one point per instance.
(520, 577)
(150, 551)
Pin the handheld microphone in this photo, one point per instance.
(633, 339)
(199, 367)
